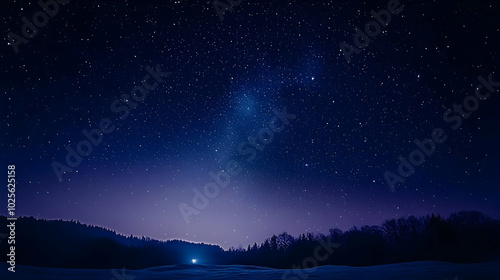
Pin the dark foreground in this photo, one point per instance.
(408, 271)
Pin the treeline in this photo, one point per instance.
(462, 237)
(70, 244)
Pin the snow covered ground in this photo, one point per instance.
(405, 271)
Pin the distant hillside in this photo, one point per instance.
(464, 237)
(58, 243)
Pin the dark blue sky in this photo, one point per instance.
(324, 169)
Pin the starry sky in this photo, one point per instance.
(226, 80)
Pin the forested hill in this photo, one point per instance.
(462, 237)
(70, 244)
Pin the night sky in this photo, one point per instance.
(215, 83)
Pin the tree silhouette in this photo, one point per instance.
(467, 236)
